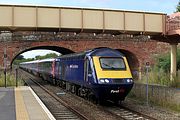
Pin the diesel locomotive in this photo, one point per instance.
(103, 73)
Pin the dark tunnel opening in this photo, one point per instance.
(133, 62)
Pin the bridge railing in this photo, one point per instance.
(80, 20)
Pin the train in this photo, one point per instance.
(100, 73)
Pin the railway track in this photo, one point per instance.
(126, 113)
(58, 108)
(119, 112)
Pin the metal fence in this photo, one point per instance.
(161, 95)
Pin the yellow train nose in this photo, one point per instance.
(111, 73)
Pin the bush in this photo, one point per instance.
(160, 72)
(157, 76)
(10, 80)
(164, 61)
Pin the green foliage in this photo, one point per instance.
(164, 61)
(157, 76)
(178, 7)
(21, 58)
(11, 80)
(160, 72)
(178, 59)
(17, 61)
(50, 55)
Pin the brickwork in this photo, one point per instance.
(138, 52)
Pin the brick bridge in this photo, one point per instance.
(113, 22)
(138, 52)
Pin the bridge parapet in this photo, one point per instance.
(173, 24)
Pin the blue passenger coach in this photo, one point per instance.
(102, 72)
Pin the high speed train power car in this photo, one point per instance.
(103, 73)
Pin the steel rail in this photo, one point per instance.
(76, 112)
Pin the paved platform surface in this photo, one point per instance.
(22, 104)
(7, 104)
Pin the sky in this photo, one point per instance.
(164, 6)
(34, 53)
(159, 6)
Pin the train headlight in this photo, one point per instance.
(104, 81)
(101, 81)
(129, 80)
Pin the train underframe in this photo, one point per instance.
(98, 93)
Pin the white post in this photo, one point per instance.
(5, 66)
(147, 82)
(173, 61)
(140, 71)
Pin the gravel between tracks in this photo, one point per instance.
(153, 111)
(89, 109)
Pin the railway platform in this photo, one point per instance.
(22, 103)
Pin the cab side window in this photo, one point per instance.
(56, 68)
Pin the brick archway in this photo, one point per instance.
(143, 51)
(131, 57)
(61, 50)
(133, 61)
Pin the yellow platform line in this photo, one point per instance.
(21, 111)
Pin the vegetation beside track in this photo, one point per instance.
(10, 79)
(21, 58)
(159, 73)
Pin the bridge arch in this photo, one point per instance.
(137, 52)
(131, 57)
(58, 49)
(133, 62)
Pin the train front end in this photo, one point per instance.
(114, 78)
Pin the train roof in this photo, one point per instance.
(35, 61)
(47, 60)
(103, 51)
(38, 61)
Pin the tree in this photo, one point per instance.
(178, 7)
(38, 57)
(164, 61)
(50, 55)
(20, 57)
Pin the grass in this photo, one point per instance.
(10, 79)
(162, 103)
(158, 76)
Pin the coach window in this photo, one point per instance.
(88, 70)
(56, 67)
